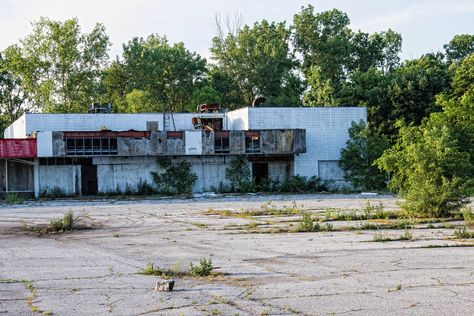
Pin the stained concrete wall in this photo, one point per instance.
(66, 177)
(116, 173)
(280, 170)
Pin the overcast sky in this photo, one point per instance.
(425, 25)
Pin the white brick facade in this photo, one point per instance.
(326, 132)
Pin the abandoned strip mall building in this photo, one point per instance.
(95, 153)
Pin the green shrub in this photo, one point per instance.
(60, 225)
(13, 198)
(203, 269)
(239, 175)
(248, 186)
(176, 179)
(357, 158)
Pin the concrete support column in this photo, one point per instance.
(36, 178)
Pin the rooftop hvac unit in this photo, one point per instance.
(100, 108)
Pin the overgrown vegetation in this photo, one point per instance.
(423, 107)
(239, 175)
(151, 269)
(202, 269)
(13, 198)
(357, 158)
(57, 226)
(177, 177)
(463, 233)
(382, 237)
(307, 224)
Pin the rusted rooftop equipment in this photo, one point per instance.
(209, 108)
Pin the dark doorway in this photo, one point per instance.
(260, 171)
(89, 179)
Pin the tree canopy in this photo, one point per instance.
(59, 66)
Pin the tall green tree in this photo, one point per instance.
(257, 61)
(362, 149)
(13, 99)
(459, 47)
(414, 85)
(154, 75)
(323, 40)
(407, 92)
(332, 53)
(59, 66)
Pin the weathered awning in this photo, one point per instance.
(18, 148)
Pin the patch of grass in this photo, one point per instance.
(252, 225)
(266, 209)
(13, 198)
(368, 226)
(307, 224)
(374, 211)
(328, 227)
(200, 225)
(150, 269)
(463, 233)
(382, 237)
(467, 215)
(370, 212)
(204, 268)
(397, 288)
(407, 235)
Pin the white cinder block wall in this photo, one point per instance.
(17, 128)
(326, 133)
(238, 119)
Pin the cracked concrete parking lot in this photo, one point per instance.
(262, 265)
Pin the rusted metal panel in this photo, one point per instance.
(175, 134)
(252, 133)
(99, 134)
(18, 148)
(221, 133)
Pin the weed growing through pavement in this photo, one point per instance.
(463, 233)
(204, 268)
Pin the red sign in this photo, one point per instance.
(18, 148)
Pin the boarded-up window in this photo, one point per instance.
(330, 170)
